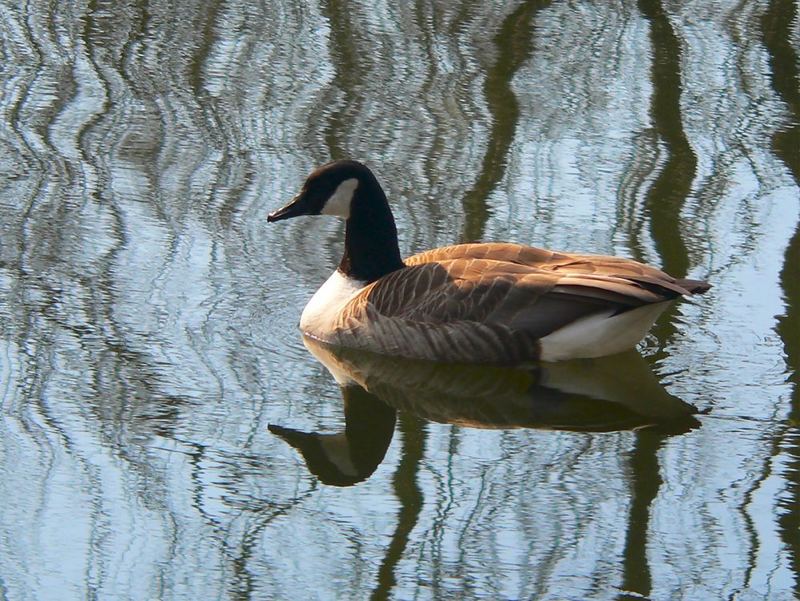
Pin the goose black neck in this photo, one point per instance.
(370, 244)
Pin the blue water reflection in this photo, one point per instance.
(148, 315)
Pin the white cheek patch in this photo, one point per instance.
(338, 204)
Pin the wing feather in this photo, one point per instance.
(497, 293)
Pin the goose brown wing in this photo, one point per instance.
(504, 252)
(570, 264)
(500, 294)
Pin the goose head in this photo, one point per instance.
(349, 190)
(332, 190)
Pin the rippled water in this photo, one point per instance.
(148, 313)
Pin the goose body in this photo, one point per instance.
(480, 303)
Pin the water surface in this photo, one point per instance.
(148, 313)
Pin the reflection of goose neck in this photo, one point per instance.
(351, 456)
(369, 425)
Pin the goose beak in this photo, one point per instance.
(294, 208)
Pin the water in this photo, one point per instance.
(148, 312)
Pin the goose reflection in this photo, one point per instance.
(618, 392)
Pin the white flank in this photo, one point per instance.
(600, 334)
(338, 204)
(322, 310)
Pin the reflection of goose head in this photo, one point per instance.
(618, 392)
(351, 456)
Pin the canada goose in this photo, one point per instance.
(479, 303)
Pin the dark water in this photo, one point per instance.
(148, 313)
